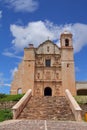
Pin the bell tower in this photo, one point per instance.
(67, 61)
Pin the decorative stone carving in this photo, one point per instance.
(37, 91)
(57, 60)
(48, 57)
(57, 90)
(48, 75)
(39, 60)
(57, 75)
(38, 75)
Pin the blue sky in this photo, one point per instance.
(33, 21)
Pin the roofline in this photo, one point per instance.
(81, 82)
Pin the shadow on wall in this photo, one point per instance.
(82, 92)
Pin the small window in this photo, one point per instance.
(48, 63)
(66, 42)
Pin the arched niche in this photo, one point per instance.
(19, 91)
(66, 42)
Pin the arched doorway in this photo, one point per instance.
(19, 91)
(47, 91)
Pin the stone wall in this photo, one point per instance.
(84, 110)
(81, 88)
(7, 105)
(81, 85)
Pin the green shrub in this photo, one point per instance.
(81, 99)
(5, 114)
(11, 97)
(2, 95)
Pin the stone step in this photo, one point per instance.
(42, 125)
(54, 108)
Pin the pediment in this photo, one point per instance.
(48, 47)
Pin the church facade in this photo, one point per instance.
(48, 69)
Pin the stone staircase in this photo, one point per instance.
(47, 108)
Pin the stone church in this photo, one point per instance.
(48, 69)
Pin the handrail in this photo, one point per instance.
(17, 109)
(74, 106)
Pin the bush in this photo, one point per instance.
(81, 99)
(11, 97)
(16, 97)
(5, 114)
(2, 95)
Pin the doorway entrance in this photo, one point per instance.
(47, 91)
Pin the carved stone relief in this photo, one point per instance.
(38, 75)
(37, 91)
(48, 75)
(57, 90)
(39, 60)
(57, 75)
(48, 57)
(56, 60)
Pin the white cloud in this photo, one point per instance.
(12, 55)
(37, 32)
(7, 85)
(22, 5)
(13, 72)
(34, 32)
(0, 14)
(80, 36)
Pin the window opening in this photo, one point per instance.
(48, 62)
(66, 42)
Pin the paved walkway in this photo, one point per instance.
(42, 125)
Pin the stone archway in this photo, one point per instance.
(19, 91)
(47, 91)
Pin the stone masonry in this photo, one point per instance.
(7, 105)
(47, 108)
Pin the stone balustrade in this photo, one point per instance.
(74, 106)
(17, 109)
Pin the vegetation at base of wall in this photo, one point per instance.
(4, 97)
(5, 114)
(81, 99)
